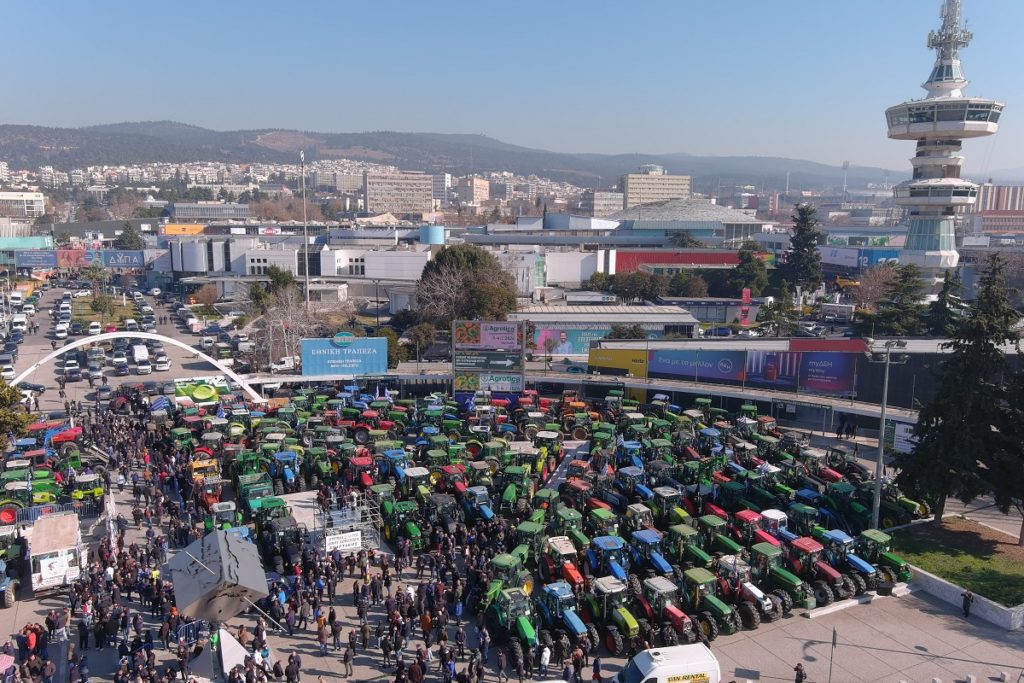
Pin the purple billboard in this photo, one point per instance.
(699, 365)
(827, 372)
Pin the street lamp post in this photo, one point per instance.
(305, 224)
(883, 356)
(376, 301)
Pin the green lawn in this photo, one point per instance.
(985, 561)
(82, 313)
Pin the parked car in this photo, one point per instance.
(73, 375)
(7, 372)
(77, 329)
(162, 364)
(82, 292)
(95, 328)
(121, 369)
(143, 367)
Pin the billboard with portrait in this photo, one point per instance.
(704, 365)
(572, 342)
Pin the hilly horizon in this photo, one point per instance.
(24, 146)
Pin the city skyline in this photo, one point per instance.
(571, 78)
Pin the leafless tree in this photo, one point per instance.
(873, 283)
(441, 296)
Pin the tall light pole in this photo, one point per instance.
(376, 302)
(305, 224)
(882, 356)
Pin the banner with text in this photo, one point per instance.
(345, 355)
(705, 365)
(473, 334)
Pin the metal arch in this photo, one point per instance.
(85, 341)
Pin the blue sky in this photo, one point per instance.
(799, 78)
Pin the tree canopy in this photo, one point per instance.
(947, 311)
(129, 239)
(900, 311)
(620, 331)
(465, 281)
(750, 273)
(14, 419)
(803, 263)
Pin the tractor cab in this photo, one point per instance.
(381, 493)
(661, 596)
(417, 483)
(394, 463)
(549, 443)
(663, 450)
(203, 469)
(776, 523)
(547, 500)
(667, 506)
(607, 555)
(578, 468)
(748, 528)
(222, 516)
(767, 571)
(453, 479)
(477, 503)
(559, 601)
(802, 518)
(401, 520)
(608, 606)
(602, 522)
(442, 510)
(268, 508)
(630, 480)
(559, 560)
(479, 473)
(508, 570)
(682, 546)
(569, 522)
(87, 487)
(576, 492)
(630, 453)
(359, 471)
(712, 529)
(638, 516)
(529, 541)
(646, 547)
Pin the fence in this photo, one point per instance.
(192, 632)
(84, 508)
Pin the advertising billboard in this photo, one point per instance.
(345, 355)
(472, 334)
(488, 381)
(183, 229)
(76, 258)
(776, 370)
(572, 342)
(123, 259)
(706, 365)
(826, 372)
(619, 361)
(35, 258)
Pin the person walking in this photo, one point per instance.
(800, 676)
(968, 599)
(502, 664)
(545, 660)
(346, 659)
(596, 677)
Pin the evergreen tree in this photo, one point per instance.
(129, 239)
(947, 311)
(780, 317)
(751, 272)
(803, 263)
(957, 431)
(900, 311)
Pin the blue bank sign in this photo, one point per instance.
(345, 355)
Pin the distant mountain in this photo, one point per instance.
(169, 141)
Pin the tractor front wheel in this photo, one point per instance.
(785, 598)
(593, 636)
(634, 585)
(749, 615)
(278, 487)
(314, 482)
(822, 593)
(861, 586)
(669, 637)
(706, 623)
(613, 641)
(7, 597)
(848, 589)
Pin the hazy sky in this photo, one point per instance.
(800, 78)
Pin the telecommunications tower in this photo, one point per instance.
(939, 124)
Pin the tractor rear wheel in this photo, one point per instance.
(749, 615)
(522, 506)
(278, 487)
(786, 598)
(593, 636)
(515, 650)
(361, 436)
(644, 629)
(706, 623)
(314, 482)
(669, 637)
(822, 593)
(613, 641)
(848, 589)
(580, 433)
(860, 584)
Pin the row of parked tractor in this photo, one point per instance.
(636, 522)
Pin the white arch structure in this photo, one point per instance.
(86, 341)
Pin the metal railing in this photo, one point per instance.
(84, 508)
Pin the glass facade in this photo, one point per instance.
(931, 234)
(932, 112)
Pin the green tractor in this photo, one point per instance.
(666, 506)
(605, 606)
(317, 467)
(400, 520)
(222, 516)
(509, 619)
(681, 546)
(875, 546)
(602, 522)
(516, 490)
(569, 522)
(713, 531)
(251, 488)
(508, 570)
(699, 601)
(265, 510)
(87, 487)
(768, 574)
(546, 500)
(530, 538)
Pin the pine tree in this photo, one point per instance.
(900, 311)
(803, 263)
(957, 430)
(947, 311)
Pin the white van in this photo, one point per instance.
(15, 298)
(690, 663)
(19, 322)
(130, 325)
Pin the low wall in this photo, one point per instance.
(1009, 618)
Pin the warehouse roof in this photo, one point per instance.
(684, 210)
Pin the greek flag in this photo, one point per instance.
(220, 411)
(471, 403)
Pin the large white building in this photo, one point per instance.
(22, 204)
(653, 184)
(398, 193)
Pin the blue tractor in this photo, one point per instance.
(630, 453)
(607, 556)
(561, 627)
(283, 468)
(631, 481)
(645, 551)
(477, 503)
(840, 553)
(393, 464)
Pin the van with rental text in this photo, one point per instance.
(677, 664)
